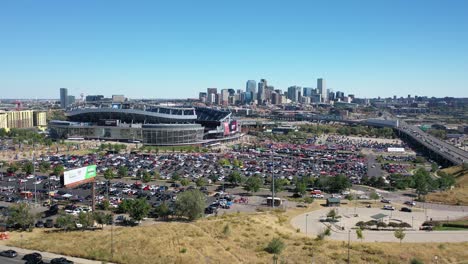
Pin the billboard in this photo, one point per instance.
(79, 175)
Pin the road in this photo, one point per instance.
(373, 166)
(450, 152)
(47, 257)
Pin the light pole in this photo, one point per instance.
(35, 180)
(349, 238)
(273, 180)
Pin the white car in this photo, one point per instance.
(54, 178)
(318, 196)
(30, 177)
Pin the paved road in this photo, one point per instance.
(373, 167)
(45, 255)
(309, 223)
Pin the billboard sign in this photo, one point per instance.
(80, 175)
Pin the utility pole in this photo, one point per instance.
(273, 180)
(35, 180)
(112, 236)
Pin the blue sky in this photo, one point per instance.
(173, 49)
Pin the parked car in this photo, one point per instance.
(33, 257)
(49, 223)
(61, 261)
(385, 201)
(406, 209)
(40, 224)
(388, 207)
(410, 203)
(9, 253)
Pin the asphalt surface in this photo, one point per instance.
(373, 167)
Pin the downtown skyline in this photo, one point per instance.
(174, 50)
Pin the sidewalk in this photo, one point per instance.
(49, 256)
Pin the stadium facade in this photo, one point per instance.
(150, 125)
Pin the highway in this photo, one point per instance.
(452, 153)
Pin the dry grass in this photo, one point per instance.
(204, 242)
(456, 196)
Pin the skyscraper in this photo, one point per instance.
(322, 89)
(294, 93)
(261, 91)
(251, 86)
(63, 97)
(211, 93)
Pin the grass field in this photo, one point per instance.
(205, 241)
(456, 196)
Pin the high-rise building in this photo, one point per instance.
(211, 95)
(251, 86)
(94, 98)
(39, 118)
(261, 91)
(63, 98)
(322, 89)
(224, 96)
(307, 91)
(70, 100)
(294, 93)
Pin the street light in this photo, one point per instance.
(349, 238)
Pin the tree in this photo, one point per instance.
(162, 211)
(332, 214)
(58, 170)
(85, 219)
(122, 172)
(175, 176)
(28, 167)
(139, 209)
(146, 177)
(102, 218)
(359, 234)
(235, 178)
(44, 166)
(301, 188)
(190, 204)
(21, 215)
(66, 221)
(374, 196)
(201, 182)
(279, 185)
(399, 234)
(12, 168)
(253, 184)
(184, 182)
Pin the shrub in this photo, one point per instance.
(416, 261)
(275, 246)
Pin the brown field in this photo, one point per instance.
(204, 242)
(456, 196)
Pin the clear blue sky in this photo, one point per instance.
(173, 49)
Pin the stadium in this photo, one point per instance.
(150, 125)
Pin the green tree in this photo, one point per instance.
(85, 219)
(146, 177)
(184, 182)
(12, 168)
(175, 176)
(235, 178)
(66, 221)
(58, 170)
(253, 184)
(190, 204)
(102, 218)
(122, 172)
(201, 182)
(279, 185)
(332, 214)
(163, 211)
(374, 196)
(21, 214)
(359, 234)
(44, 166)
(301, 188)
(399, 234)
(28, 167)
(139, 209)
